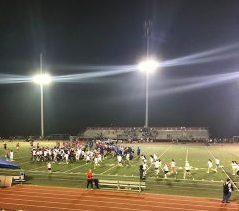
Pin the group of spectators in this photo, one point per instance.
(75, 151)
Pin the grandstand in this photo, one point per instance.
(153, 133)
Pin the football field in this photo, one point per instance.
(200, 183)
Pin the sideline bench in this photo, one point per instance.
(126, 185)
(18, 179)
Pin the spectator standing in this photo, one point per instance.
(141, 171)
(227, 191)
(89, 177)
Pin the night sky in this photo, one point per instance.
(74, 34)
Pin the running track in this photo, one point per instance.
(39, 198)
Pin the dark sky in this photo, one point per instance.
(73, 33)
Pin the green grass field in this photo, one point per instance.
(200, 183)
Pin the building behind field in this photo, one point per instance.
(153, 133)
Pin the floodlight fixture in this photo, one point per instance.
(148, 66)
(42, 79)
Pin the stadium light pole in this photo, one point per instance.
(42, 79)
(147, 66)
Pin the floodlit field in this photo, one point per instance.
(200, 183)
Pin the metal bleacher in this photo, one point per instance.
(154, 133)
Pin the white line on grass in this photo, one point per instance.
(187, 155)
(223, 170)
(165, 151)
(75, 168)
(186, 160)
(109, 169)
(235, 154)
(124, 176)
(36, 168)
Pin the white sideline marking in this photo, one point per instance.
(114, 175)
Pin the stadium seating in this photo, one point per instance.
(154, 133)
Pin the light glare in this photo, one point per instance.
(42, 79)
(148, 66)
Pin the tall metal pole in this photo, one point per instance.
(147, 28)
(147, 101)
(42, 100)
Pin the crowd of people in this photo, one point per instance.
(75, 151)
(96, 151)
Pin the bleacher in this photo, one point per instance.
(153, 133)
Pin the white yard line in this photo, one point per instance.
(109, 169)
(223, 170)
(187, 155)
(75, 168)
(186, 160)
(165, 151)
